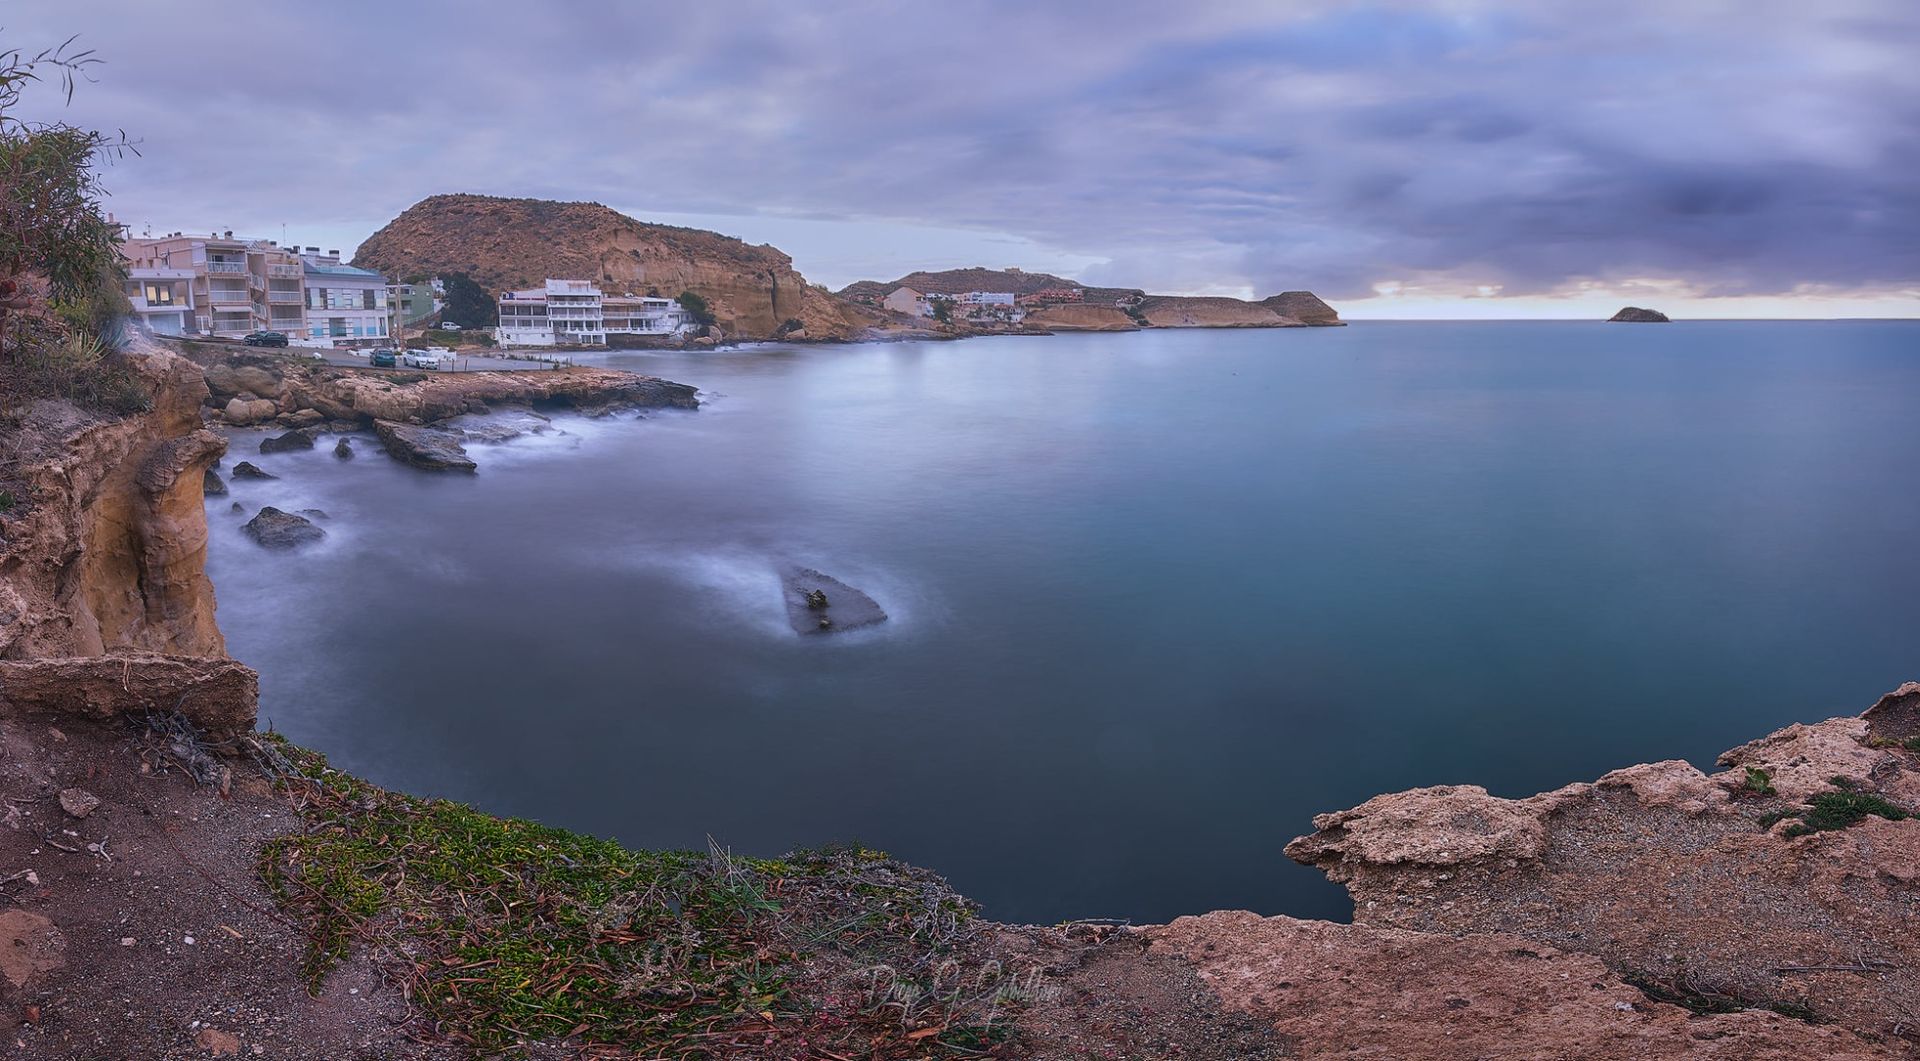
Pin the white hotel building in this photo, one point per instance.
(577, 313)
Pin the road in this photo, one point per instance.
(461, 362)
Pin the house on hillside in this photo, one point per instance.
(908, 301)
(1051, 296)
(213, 284)
(578, 313)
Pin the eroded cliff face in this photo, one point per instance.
(1789, 881)
(104, 552)
(518, 243)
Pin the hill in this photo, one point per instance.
(516, 243)
(1287, 309)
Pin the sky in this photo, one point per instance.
(1442, 158)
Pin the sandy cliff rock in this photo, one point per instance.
(1080, 317)
(1171, 311)
(517, 243)
(105, 553)
(1682, 881)
(1303, 306)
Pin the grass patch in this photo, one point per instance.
(505, 932)
(1757, 782)
(1911, 744)
(1844, 806)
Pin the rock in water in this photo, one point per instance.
(282, 530)
(292, 440)
(246, 470)
(1636, 315)
(423, 447)
(818, 604)
(342, 450)
(212, 485)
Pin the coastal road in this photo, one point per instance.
(461, 362)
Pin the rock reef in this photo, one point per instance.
(819, 603)
(1637, 315)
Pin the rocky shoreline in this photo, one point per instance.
(174, 884)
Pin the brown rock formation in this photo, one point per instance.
(1669, 875)
(1355, 991)
(1081, 317)
(106, 555)
(1171, 311)
(218, 695)
(1637, 315)
(1303, 306)
(517, 243)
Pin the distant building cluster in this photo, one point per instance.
(227, 287)
(980, 307)
(578, 313)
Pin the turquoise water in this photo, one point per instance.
(1158, 598)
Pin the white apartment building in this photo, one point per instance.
(973, 305)
(344, 305)
(578, 313)
(162, 299)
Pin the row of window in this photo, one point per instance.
(346, 298)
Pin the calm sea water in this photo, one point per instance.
(1157, 598)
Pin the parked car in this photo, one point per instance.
(383, 358)
(266, 339)
(449, 326)
(422, 359)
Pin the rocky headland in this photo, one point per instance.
(175, 884)
(1105, 309)
(1637, 315)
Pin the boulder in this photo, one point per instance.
(1636, 315)
(247, 470)
(423, 447)
(292, 440)
(212, 485)
(343, 450)
(226, 380)
(282, 530)
(217, 695)
(819, 604)
(302, 418)
(244, 411)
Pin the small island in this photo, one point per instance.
(1636, 315)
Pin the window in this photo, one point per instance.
(159, 294)
(366, 299)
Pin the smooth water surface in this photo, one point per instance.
(1157, 598)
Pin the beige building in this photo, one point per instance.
(906, 300)
(231, 286)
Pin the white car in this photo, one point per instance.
(422, 359)
(449, 326)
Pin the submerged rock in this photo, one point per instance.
(1636, 315)
(423, 447)
(343, 450)
(212, 485)
(292, 440)
(247, 470)
(282, 530)
(504, 425)
(818, 603)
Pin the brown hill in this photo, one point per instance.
(952, 281)
(515, 243)
(1082, 317)
(1303, 306)
(1174, 311)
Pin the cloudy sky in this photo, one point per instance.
(1433, 158)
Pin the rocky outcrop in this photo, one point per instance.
(219, 696)
(275, 529)
(1171, 311)
(820, 604)
(250, 470)
(1703, 887)
(1305, 307)
(1636, 315)
(1355, 991)
(109, 555)
(366, 398)
(424, 447)
(292, 440)
(516, 243)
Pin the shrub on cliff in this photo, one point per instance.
(60, 272)
(697, 309)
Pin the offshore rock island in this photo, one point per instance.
(165, 859)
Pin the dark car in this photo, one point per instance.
(266, 339)
(383, 358)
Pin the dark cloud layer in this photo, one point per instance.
(1738, 146)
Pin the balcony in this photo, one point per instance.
(294, 297)
(227, 267)
(229, 298)
(283, 272)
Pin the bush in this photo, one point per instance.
(1758, 782)
(468, 304)
(697, 309)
